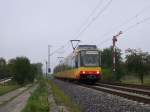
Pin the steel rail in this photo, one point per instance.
(146, 87)
(129, 95)
(129, 89)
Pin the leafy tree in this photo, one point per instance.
(4, 71)
(107, 57)
(36, 70)
(138, 62)
(2, 62)
(22, 70)
(10, 66)
(38, 67)
(107, 61)
(33, 73)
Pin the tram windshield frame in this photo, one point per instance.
(89, 58)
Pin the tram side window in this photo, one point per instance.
(81, 58)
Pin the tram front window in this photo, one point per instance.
(89, 58)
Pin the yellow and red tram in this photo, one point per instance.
(83, 65)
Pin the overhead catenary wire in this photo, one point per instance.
(58, 49)
(129, 28)
(91, 14)
(136, 24)
(93, 19)
(93, 11)
(123, 24)
(128, 20)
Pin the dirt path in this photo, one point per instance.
(18, 103)
(6, 97)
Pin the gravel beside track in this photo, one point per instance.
(96, 101)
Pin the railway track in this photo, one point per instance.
(129, 85)
(135, 94)
(128, 89)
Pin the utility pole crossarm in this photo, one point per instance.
(119, 34)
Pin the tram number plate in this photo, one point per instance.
(90, 76)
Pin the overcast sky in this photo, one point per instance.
(27, 27)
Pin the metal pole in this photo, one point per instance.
(49, 46)
(46, 68)
(114, 50)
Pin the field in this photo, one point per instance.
(5, 88)
(131, 79)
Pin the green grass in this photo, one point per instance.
(127, 79)
(8, 87)
(147, 80)
(132, 79)
(107, 75)
(62, 99)
(38, 101)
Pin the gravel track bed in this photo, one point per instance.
(95, 101)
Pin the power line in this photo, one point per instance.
(55, 51)
(129, 28)
(93, 19)
(124, 23)
(129, 20)
(92, 13)
(136, 24)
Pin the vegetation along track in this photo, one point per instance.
(135, 94)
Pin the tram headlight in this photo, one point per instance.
(83, 72)
(97, 72)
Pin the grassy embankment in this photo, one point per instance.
(7, 87)
(131, 79)
(128, 79)
(38, 101)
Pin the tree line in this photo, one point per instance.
(20, 69)
(136, 62)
